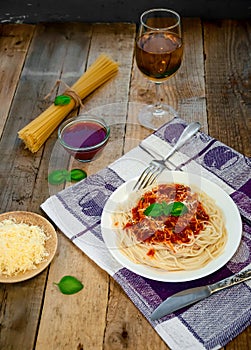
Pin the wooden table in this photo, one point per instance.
(213, 86)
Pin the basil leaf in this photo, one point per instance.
(158, 209)
(154, 210)
(69, 285)
(166, 208)
(62, 100)
(78, 174)
(178, 209)
(58, 177)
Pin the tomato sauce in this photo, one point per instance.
(168, 229)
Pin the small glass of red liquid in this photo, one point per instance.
(84, 137)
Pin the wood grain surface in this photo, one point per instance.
(212, 86)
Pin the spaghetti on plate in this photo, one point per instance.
(170, 227)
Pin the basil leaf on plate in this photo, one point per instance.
(166, 208)
(173, 209)
(154, 210)
(178, 209)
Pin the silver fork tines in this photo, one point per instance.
(156, 166)
(149, 175)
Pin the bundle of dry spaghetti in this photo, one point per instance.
(38, 130)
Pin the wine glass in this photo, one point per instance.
(159, 51)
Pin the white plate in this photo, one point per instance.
(223, 200)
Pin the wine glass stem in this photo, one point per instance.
(158, 104)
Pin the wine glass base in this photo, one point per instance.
(153, 118)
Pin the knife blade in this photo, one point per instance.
(192, 295)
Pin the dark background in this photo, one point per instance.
(34, 11)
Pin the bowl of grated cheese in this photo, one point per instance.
(28, 243)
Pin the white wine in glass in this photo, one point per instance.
(159, 51)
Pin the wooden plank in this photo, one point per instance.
(117, 41)
(228, 72)
(45, 63)
(73, 64)
(14, 43)
(242, 341)
(189, 88)
(126, 327)
(83, 323)
(186, 92)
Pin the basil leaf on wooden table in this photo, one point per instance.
(57, 177)
(78, 174)
(69, 285)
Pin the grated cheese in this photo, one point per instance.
(22, 247)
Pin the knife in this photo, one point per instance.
(192, 295)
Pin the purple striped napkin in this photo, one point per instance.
(210, 323)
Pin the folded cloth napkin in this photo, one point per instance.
(210, 323)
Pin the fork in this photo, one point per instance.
(156, 166)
